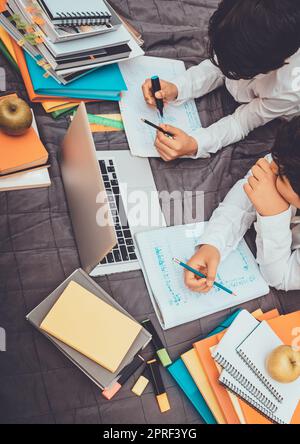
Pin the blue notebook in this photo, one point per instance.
(183, 378)
(104, 83)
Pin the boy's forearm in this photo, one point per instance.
(230, 221)
(237, 126)
(198, 81)
(274, 250)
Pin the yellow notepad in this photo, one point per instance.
(51, 106)
(91, 326)
(193, 364)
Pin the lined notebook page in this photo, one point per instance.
(174, 303)
(133, 107)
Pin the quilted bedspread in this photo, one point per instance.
(37, 248)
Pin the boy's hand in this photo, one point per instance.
(168, 92)
(206, 260)
(181, 144)
(261, 190)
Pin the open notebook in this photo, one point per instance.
(133, 107)
(173, 302)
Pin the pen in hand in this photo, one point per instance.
(156, 87)
(158, 128)
(202, 276)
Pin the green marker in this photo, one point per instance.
(161, 351)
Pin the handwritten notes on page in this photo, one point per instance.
(133, 107)
(174, 303)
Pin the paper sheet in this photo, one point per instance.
(133, 107)
(174, 303)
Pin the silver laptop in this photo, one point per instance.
(111, 196)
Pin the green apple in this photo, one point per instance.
(283, 364)
(15, 116)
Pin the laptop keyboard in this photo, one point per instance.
(124, 251)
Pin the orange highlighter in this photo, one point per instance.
(158, 385)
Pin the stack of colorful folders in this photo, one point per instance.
(198, 374)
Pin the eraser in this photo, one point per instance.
(164, 357)
(140, 386)
(163, 402)
(111, 392)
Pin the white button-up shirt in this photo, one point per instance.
(278, 237)
(264, 98)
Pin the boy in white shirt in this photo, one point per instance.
(269, 196)
(254, 50)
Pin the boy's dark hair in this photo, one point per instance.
(251, 37)
(286, 152)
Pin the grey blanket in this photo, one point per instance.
(37, 248)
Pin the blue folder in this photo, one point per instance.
(104, 83)
(183, 378)
(225, 324)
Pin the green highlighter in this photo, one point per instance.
(158, 345)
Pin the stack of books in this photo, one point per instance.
(23, 160)
(65, 55)
(92, 330)
(225, 375)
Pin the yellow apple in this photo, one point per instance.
(15, 116)
(283, 364)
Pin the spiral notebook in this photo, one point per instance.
(254, 350)
(70, 12)
(226, 356)
(235, 387)
(241, 379)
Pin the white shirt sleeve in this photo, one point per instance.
(237, 126)
(198, 81)
(279, 265)
(230, 221)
